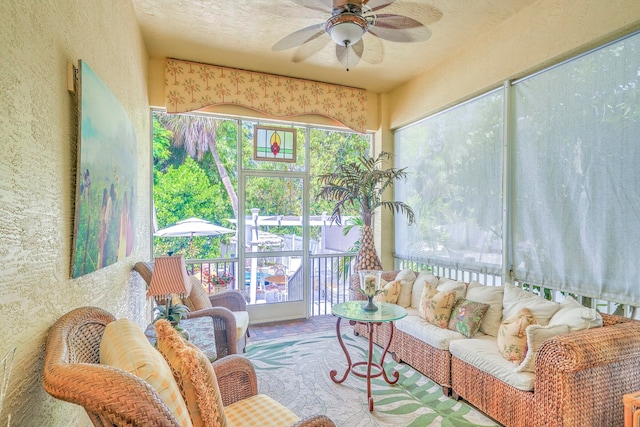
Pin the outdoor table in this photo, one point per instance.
(353, 312)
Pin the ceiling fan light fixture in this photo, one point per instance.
(346, 29)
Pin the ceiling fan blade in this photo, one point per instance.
(299, 37)
(306, 50)
(398, 28)
(375, 51)
(392, 21)
(349, 56)
(428, 14)
(319, 5)
(379, 4)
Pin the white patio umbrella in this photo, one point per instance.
(193, 227)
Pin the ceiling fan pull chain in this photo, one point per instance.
(346, 45)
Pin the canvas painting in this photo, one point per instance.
(106, 182)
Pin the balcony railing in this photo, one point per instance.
(328, 273)
(329, 282)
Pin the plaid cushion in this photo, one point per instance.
(259, 410)
(125, 346)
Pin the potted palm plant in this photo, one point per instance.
(173, 313)
(361, 184)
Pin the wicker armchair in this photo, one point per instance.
(225, 309)
(73, 373)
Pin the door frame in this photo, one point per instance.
(261, 313)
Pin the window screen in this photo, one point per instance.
(576, 175)
(454, 185)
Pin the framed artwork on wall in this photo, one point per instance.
(106, 178)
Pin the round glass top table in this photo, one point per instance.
(353, 312)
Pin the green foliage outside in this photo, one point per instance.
(195, 175)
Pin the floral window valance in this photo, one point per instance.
(190, 86)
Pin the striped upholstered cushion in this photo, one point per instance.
(125, 346)
(259, 410)
(198, 298)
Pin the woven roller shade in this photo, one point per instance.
(190, 86)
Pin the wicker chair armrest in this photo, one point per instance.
(106, 393)
(227, 317)
(233, 300)
(315, 421)
(590, 348)
(580, 377)
(116, 395)
(236, 378)
(145, 270)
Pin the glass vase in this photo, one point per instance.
(370, 285)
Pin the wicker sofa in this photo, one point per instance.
(579, 377)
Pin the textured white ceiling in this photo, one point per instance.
(241, 33)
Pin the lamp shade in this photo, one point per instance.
(169, 277)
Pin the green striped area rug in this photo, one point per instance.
(295, 372)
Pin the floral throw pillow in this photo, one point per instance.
(391, 292)
(467, 316)
(512, 335)
(435, 307)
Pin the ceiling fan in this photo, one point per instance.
(348, 23)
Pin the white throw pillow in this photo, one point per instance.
(516, 298)
(493, 296)
(536, 334)
(576, 316)
(459, 287)
(406, 278)
(424, 279)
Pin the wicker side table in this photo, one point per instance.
(201, 334)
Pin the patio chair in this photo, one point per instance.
(114, 397)
(227, 309)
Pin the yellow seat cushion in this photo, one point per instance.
(242, 322)
(194, 374)
(124, 346)
(259, 410)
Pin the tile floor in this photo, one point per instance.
(271, 330)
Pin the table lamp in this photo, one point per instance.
(169, 278)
